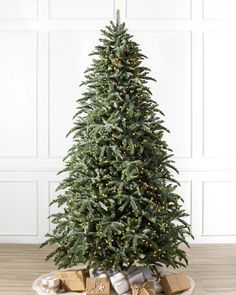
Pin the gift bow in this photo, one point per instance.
(141, 289)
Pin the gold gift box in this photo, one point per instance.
(97, 286)
(146, 288)
(73, 279)
(174, 283)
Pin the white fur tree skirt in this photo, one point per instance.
(37, 286)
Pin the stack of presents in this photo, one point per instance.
(136, 281)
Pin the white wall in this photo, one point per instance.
(44, 48)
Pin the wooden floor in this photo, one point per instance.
(213, 267)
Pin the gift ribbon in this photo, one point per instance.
(141, 288)
(98, 287)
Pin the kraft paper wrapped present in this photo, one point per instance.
(51, 285)
(97, 286)
(174, 283)
(73, 279)
(146, 288)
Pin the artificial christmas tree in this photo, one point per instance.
(120, 202)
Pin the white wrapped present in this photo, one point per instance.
(135, 275)
(120, 283)
(51, 284)
(146, 272)
(100, 273)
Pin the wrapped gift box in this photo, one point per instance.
(135, 275)
(146, 288)
(97, 286)
(120, 283)
(99, 273)
(146, 272)
(51, 284)
(73, 279)
(174, 283)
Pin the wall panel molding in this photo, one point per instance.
(18, 10)
(218, 224)
(158, 10)
(218, 48)
(82, 10)
(15, 139)
(218, 9)
(18, 210)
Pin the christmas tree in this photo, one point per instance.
(120, 204)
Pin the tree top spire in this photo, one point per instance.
(117, 16)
